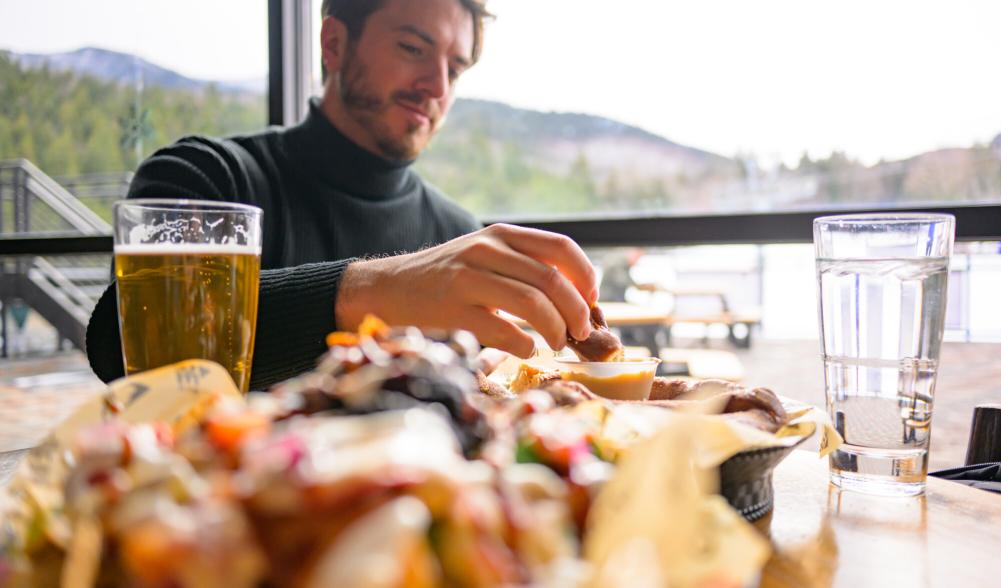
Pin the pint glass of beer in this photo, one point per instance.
(187, 273)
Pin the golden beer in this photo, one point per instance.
(188, 301)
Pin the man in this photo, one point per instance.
(341, 201)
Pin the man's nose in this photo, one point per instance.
(435, 80)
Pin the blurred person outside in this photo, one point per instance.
(615, 273)
(18, 345)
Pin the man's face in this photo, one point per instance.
(397, 81)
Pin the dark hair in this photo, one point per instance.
(354, 13)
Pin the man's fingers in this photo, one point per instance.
(493, 331)
(494, 291)
(556, 250)
(495, 256)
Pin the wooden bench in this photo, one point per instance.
(734, 321)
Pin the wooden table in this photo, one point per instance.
(951, 536)
(825, 537)
(722, 315)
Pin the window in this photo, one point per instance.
(87, 91)
(579, 108)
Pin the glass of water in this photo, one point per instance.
(883, 281)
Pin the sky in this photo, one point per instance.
(769, 78)
(205, 39)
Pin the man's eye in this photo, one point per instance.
(453, 74)
(415, 51)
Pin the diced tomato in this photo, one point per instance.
(373, 326)
(228, 431)
(342, 339)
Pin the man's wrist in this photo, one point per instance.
(348, 307)
(359, 293)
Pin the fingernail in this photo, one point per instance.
(584, 333)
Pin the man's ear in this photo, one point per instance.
(333, 44)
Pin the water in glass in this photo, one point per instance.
(882, 324)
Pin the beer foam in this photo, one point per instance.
(187, 249)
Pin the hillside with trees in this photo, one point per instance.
(500, 159)
(69, 124)
(86, 113)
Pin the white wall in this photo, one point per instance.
(985, 297)
(789, 293)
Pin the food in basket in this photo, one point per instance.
(388, 465)
(391, 369)
(532, 377)
(758, 408)
(376, 500)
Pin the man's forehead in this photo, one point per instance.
(446, 23)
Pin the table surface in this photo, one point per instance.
(951, 536)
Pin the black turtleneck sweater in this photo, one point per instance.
(326, 201)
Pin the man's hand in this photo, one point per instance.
(541, 277)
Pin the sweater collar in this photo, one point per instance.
(329, 156)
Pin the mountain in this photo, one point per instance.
(558, 139)
(554, 161)
(125, 68)
(511, 161)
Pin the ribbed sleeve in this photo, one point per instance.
(104, 342)
(295, 313)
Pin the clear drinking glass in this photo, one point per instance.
(883, 281)
(187, 274)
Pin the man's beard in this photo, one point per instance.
(369, 110)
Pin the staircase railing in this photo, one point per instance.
(32, 204)
(25, 182)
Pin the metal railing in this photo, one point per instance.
(32, 203)
(98, 191)
(38, 216)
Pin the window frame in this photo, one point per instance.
(290, 60)
(289, 87)
(973, 223)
